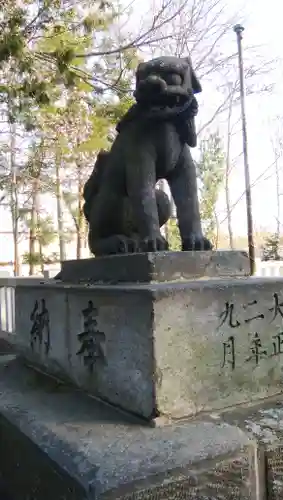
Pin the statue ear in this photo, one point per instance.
(196, 86)
(141, 71)
(195, 82)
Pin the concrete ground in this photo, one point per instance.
(4, 494)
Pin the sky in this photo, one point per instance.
(263, 28)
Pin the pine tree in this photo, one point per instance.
(211, 172)
(271, 248)
(48, 94)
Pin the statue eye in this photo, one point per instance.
(173, 79)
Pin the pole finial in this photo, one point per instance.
(238, 28)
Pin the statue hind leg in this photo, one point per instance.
(105, 235)
(124, 239)
(112, 245)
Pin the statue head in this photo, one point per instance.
(166, 80)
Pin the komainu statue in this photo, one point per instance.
(124, 208)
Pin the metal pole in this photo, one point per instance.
(238, 30)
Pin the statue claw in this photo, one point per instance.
(157, 244)
(196, 243)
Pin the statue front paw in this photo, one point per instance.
(125, 244)
(154, 244)
(196, 243)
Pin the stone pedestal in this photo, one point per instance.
(152, 352)
(175, 348)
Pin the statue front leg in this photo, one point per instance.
(183, 185)
(141, 181)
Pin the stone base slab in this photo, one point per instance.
(78, 448)
(56, 443)
(155, 267)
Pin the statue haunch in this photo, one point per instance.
(122, 205)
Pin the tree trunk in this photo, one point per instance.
(41, 258)
(277, 196)
(14, 201)
(59, 200)
(217, 227)
(227, 173)
(32, 231)
(80, 218)
(39, 226)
